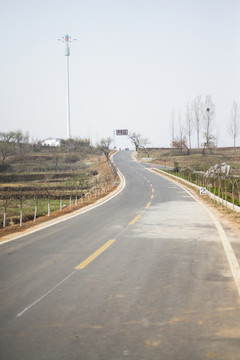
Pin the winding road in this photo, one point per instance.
(143, 276)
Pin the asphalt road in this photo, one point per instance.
(144, 276)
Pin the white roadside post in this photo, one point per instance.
(203, 191)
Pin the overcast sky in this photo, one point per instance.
(134, 62)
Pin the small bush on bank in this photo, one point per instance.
(4, 167)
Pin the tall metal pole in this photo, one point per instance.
(67, 54)
(68, 98)
(67, 39)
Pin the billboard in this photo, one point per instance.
(122, 132)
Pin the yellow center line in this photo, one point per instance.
(148, 204)
(153, 190)
(135, 219)
(92, 257)
(152, 196)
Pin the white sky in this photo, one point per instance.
(134, 62)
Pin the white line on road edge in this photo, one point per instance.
(232, 260)
(77, 213)
(231, 257)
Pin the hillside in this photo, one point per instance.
(50, 181)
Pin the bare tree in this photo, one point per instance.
(135, 139)
(197, 109)
(104, 146)
(139, 141)
(234, 123)
(76, 144)
(180, 140)
(181, 131)
(144, 142)
(172, 126)
(6, 144)
(209, 115)
(189, 125)
(11, 141)
(179, 144)
(21, 140)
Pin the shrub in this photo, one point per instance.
(94, 172)
(4, 167)
(193, 177)
(177, 168)
(71, 158)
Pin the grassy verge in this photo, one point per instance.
(219, 186)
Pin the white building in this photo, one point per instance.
(51, 142)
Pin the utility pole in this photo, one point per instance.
(67, 39)
(114, 132)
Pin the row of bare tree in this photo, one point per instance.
(226, 188)
(12, 142)
(200, 119)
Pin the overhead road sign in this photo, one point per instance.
(122, 132)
